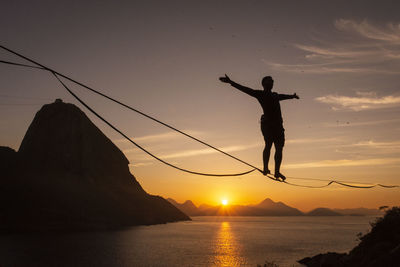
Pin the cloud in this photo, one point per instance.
(324, 68)
(344, 163)
(361, 102)
(391, 34)
(373, 148)
(207, 151)
(362, 123)
(370, 148)
(328, 53)
(142, 157)
(140, 164)
(330, 68)
(373, 144)
(162, 137)
(312, 140)
(360, 47)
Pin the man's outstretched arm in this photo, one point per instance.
(242, 88)
(284, 97)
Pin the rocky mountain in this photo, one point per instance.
(323, 212)
(68, 175)
(278, 208)
(359, 212)
(187, 207)
(266, 208)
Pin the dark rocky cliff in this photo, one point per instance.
(380, 247)
(68, 175)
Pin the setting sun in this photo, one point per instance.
(224, 202)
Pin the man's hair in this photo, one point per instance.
(266, 80)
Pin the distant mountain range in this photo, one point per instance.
(267, 207)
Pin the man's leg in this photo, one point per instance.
(266, 154)
(278, 158)
(279, 143)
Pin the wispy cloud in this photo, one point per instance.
(360, 102)
(372, 147)
(141, 158)
(207, 151)
(360, 48)
(162, 137)
(369, 149)
(141, 164)
(344, 163)
(374, 144)
(313, 140)
(391, 34)
(360, 123)
(330, 68)
(144, 160)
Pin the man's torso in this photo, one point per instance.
(269, 102)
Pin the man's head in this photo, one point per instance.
(267, 82)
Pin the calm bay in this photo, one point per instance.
(205, 241)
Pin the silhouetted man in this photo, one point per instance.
(271, 120)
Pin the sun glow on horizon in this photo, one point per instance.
(224, 202)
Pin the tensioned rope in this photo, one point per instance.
(21, 65)
(57, 74)
(42, 67)
(330, 182)
(140, 147)
(362, 184)
(126, 106)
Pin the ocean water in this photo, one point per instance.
(205, 241)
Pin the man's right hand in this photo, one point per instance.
(225, 79)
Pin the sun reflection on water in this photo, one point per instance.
(226, 248)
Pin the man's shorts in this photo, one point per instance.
(273, 133)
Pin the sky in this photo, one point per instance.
(164, 58)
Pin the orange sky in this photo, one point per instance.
(165, 59)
